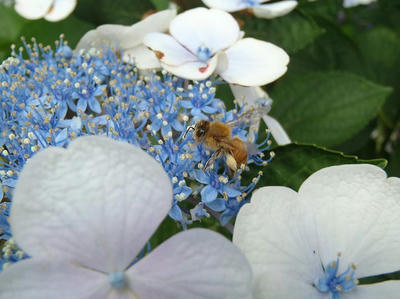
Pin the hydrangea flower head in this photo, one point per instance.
(56, 96)
(342, 225)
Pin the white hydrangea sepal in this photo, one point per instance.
(130, 38)
(211, 252)
(353, 3)
(32, 10)
(266, 11)
(357, 213)
(60, 10)
(51, 10)
(274, 10)
(348, 209)
(79, 219)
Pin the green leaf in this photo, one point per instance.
(292, 32)
(326, 108)
(10, 24)
(394, 162)
(294, 163)
(46, 32)
(333, 50)
(169, 227)
(321, 9)
(160, 4)
(125, 12)
(381, 53)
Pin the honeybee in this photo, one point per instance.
(217, 136)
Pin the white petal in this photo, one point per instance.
(196, 263)
(386, 290)
(127, 37)
(193, 70)
(274, 10)
(276, 232)
(91, 39)
(253, 62)
(157, 22)
(32, 9)
(212, 28)
(284, 285)
(167, 49)
(60, 10)
(352, 3)
(119, 36)
(227, 5)
(130, 36)
(41, 278)
(96, 203)
(357, 213)
(248, 95)
(277, 131)
(142, 56)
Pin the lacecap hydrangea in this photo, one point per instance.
(50, 97)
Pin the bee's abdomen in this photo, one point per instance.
(239, 151)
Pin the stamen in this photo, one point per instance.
(117, 279)
(334, 283)
(203, 53)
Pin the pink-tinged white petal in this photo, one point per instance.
(274, 10)
(357, 212)
(193, 264)
(253, 62)
(276, 232)
(60, 10)
(386, 290)
(41, 278)
(96, 203)
(167, 49)
(196, 70)
(32, 10)
(211, 28)
(142, 57)
(227, 5)
(277, 131)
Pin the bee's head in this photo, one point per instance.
(201, 128)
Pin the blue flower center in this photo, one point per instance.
(215, 183)
(203, 53)
(335, 284)
(117, 279)
(251, 3)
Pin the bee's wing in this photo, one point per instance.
(248, 116)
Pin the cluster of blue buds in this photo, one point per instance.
(50, 97)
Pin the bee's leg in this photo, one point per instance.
(232, 165)
(212, 159)
(187, 131)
